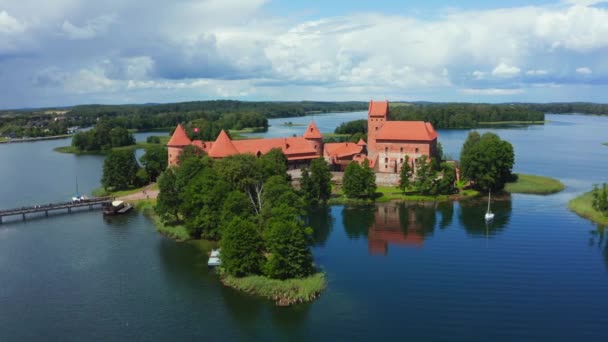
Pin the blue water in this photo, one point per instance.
(395, 271)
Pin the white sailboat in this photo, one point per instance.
(489, 214)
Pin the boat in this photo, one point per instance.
(214, 258)
(489, 214)
(117, 208)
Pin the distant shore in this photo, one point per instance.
(20, 140)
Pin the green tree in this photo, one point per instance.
(287, 243)
(242, 248)
(168, 200)
(236, 205)
(153, 139)
(405, 175)
(190, 152)
(352, 182)
(120, 170)
(273, 163)
(487, 161)
(120, 136)
(306, 187)
(426, 177)
(320, 177)
(201, 203)
(446, 185)
(154, 161)
(369, 179)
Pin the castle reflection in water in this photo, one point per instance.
(388, 228)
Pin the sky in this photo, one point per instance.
(67, 52)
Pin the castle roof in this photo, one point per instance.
(361, 142)
(312, 132)
(291, 147)
(407, 131)
(378, 108)
(222, 147)
(179, 138)
(340, 150)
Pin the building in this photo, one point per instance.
(298, 150)
(389, 142)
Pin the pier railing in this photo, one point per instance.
(46, 208)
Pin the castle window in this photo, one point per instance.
(386, 160)
(386, 166)
(401, 160)
(416, 149)
(376, 128)
(401, 150)
(386, 150)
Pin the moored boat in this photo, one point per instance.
(214, 258)
(117, 208)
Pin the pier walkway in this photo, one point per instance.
(100, 201)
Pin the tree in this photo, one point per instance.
(426, 177)
(273, 163)
(405, 174)
(306, 187)
(446, 184)
(242, 248)
(120, 136)
(359, 180)
(154, 161)
(320, 177)
(190, 151)
(287, 243)
(236, 205)
(201, 203)
(120, 170)
(487, 161)
(168, 200)
(153, 139)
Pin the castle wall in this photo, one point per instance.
(173, 155)
(391, 154)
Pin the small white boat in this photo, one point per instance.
(489, 214)
(214, 258)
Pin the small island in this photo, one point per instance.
(592, 205)
(535, 185)
(291, 124)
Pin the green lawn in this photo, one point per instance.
(283, 292)
(3, 138)
(101, 192)
(175, 232)
(582, 205)
(391, 193)
(537, 185)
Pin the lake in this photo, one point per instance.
(395, 271)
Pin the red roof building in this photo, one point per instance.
(388, 144)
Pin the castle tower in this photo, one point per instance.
(222, 147)
(314, 137)
(176, 144)
(377, 115)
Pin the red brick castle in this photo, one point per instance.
(388, 144)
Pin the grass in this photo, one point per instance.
(175, 232)
(391, 193)
(582, 205)
(537, 185)
(283, 292)
(3, 138)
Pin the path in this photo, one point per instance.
(146, 193)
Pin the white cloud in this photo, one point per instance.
(537, 72)
(584, 70)
(8, 24)
(478, 75)
(491, 91)
(504, 70)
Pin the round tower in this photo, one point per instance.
(176, 145)
(314, 137)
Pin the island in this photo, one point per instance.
(592, 205)
(532, 184)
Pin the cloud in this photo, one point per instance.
(491, 91)
(537, 72)
(504, 70)
(478, 75)
(584, 71)
(9, 24)
(90, 30)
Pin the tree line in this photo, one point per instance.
(121, 171)
(600, 198)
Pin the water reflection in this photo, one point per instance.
(472, 216)
(598, 238)
(321, 221)
(357, 220)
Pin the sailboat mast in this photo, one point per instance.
(489, 196)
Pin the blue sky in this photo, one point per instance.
(66, 52)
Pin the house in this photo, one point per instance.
(389, 142)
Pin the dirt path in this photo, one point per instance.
(146, 193)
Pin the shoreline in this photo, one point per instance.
(582, 206)
(23, 140)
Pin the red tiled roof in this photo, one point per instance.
(312, 132)
(407, 131)
(222, 147)
(341, 150)
(378, 108)
(290, 146)
(361, 158)
(179, 138)
(361, 142)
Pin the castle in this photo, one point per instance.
(388, 142)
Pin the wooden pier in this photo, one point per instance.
(46, 208)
